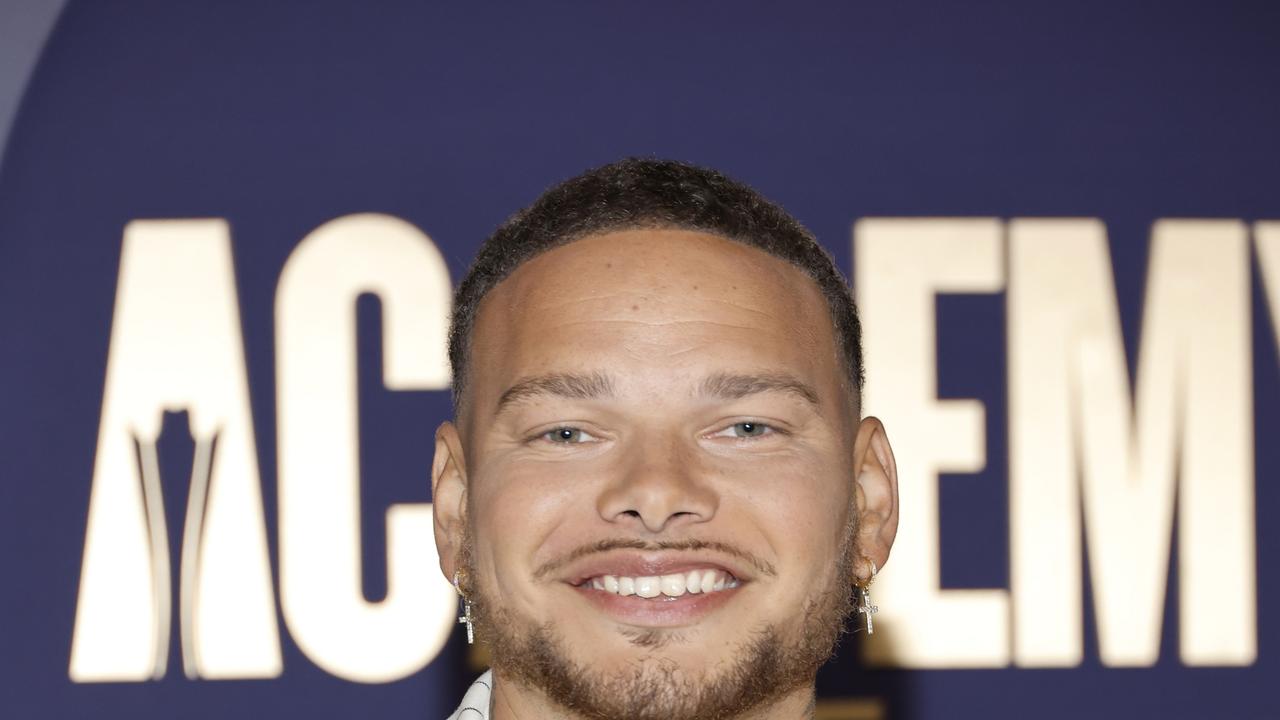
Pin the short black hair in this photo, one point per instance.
(648, 193)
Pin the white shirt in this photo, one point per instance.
(475, 704)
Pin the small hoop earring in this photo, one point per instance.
(465, 618)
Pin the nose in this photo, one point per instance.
(661, 486)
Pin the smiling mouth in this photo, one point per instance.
(664, 587)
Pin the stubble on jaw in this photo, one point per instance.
(766, 666)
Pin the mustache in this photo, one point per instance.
(760, 565)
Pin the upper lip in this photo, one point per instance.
(639, 563)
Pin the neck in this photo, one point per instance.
(516, 701)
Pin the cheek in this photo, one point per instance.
(520, 488)
(517, 509)
(802, 505)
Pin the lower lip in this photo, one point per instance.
(661, 611)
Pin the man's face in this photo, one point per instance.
(658, 461)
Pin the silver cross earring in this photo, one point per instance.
(864, 601)
(465, 618)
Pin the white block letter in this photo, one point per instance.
(901, 266)
(175, 345)
(319, 475)
(1190, 420)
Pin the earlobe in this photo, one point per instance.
(448, 496)
(876, 497)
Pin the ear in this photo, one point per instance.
(875, 497)
(449, 497)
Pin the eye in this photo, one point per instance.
(566, 436)
(747, 429)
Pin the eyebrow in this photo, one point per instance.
(732, 386)
(574, 386)
(590, 386)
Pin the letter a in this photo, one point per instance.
(175, 344)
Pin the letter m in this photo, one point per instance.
(1080, 440)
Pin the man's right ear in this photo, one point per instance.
(449, 496)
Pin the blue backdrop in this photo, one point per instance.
(281, 116)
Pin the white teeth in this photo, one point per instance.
(647, 587)
(693, 582)
(672, 586)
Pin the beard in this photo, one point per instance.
(769, 663)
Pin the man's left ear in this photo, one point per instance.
(875, 497)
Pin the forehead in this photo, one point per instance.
(657, 303)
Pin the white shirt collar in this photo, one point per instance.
(475, 704)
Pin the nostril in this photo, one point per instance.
(632, 513)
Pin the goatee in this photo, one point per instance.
(768, 664)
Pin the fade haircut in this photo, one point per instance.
(646, 193)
